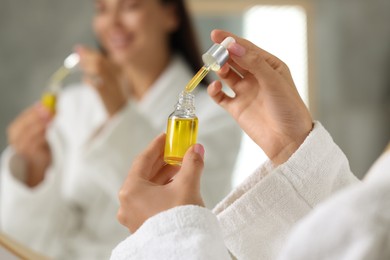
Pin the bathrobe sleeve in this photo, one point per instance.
(73, 210)
(257, 216)
(32, 216)
(353, 224)
(186, 232)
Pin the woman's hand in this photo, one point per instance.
(267, 105)
(152, 186)
(27, 136)
(104, 76)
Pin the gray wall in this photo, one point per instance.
(352, 43)
(353, 69)
(35, 36)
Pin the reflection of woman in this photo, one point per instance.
(59, 195)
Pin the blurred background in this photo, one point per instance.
(338, 52)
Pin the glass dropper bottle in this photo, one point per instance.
(49, 97)
(182, 127)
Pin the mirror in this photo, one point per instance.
(339, 61)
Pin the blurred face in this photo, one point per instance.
(133, 30)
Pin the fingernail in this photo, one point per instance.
(236, 49)
(199, 149)
(216, 84)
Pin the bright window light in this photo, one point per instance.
(282, 31)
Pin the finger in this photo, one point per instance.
(259, 70)
(13, 128)
(31, 148)
(242, 45)
(165, 174)
(234, 67)
(89, 60)
(246, 54)
(34, 149)
(37, 116)
(229, 76)
(191, 169)
(215, 92)
(26, 112)
(85, 52)
(95, 69)
(143, 165)
(40, 115)
(35, 131)
(21, 119)
(93, 80)
(34, 138)
(44, 112)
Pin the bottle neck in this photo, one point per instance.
(186, 103)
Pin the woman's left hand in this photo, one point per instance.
(152, 186)
(104, 76)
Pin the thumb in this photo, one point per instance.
(192, 167)
(81, 49)
(86, 53)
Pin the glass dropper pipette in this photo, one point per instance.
(213, 59)
(49, 97)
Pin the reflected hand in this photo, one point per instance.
(152, 186)
(267, 105)
(104, 76)
(27, 136)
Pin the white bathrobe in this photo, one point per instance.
(72, 213)
(253, 222)
(352, 225)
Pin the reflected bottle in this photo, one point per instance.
(49, 101)
(182, 129)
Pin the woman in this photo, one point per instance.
(305, 167)
(59, 194)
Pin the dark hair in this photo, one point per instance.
(184, 40)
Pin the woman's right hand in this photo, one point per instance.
(267, 105)
(104, 77)
(27, 136)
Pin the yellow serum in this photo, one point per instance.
(59, 75)
(49, 100)
(194, 82)
(181, 135)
